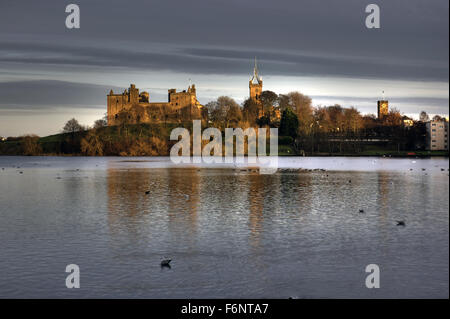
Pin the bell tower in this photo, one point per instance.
(255, 85)
(382, 107)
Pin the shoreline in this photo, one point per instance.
(282, 155)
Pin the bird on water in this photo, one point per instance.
(400, 223)
(166, 262)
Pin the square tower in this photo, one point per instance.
(382, 108)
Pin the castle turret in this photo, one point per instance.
(144, 97)
(133, 94)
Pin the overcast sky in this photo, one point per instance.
(49, 73)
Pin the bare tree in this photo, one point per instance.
(91, 145)
(301, 104)
(30, 145)
(100, 123)
(72, 126)
(424, 117)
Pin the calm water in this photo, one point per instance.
(230, 232)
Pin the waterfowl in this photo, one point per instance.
(166, 262)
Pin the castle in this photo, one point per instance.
(133, 106)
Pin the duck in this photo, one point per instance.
(400, 223)
(166, 262)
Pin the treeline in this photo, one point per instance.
(324, 129)
(303, 129)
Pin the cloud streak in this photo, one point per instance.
(222, 61)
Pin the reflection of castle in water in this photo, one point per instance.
(173, 197)
(180, 197)
(125, 197)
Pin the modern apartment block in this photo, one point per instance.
(437, 135)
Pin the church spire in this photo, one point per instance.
(255, 78)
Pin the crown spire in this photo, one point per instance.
(255, 78)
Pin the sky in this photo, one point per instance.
(49, 73)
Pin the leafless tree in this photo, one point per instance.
(72, 126)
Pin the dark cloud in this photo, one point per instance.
(290, 37)
(46, 94)
(313, 38)
(326, 36)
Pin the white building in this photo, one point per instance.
(437, 135)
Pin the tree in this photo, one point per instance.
(289, 123)
(353, 120)
(269, 99)
(101, 122)
(424, 117)
(234, 115)
(283, 101)
(223, 111)
(72, 126)
(438, 118)
(301, 105)
(30, 145)
(337, 119)
(152, 146)
(250, 110)
(322, 117)
(91, 145)
(393, 118)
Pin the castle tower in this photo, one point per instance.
(133, 94)
(255, 85)
(382, 107)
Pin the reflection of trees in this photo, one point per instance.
(256, 203)
(383, 194)
(263, 198)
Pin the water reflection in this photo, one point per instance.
(226, 230)
(127, 199)
(256, 199)
(183, 187)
